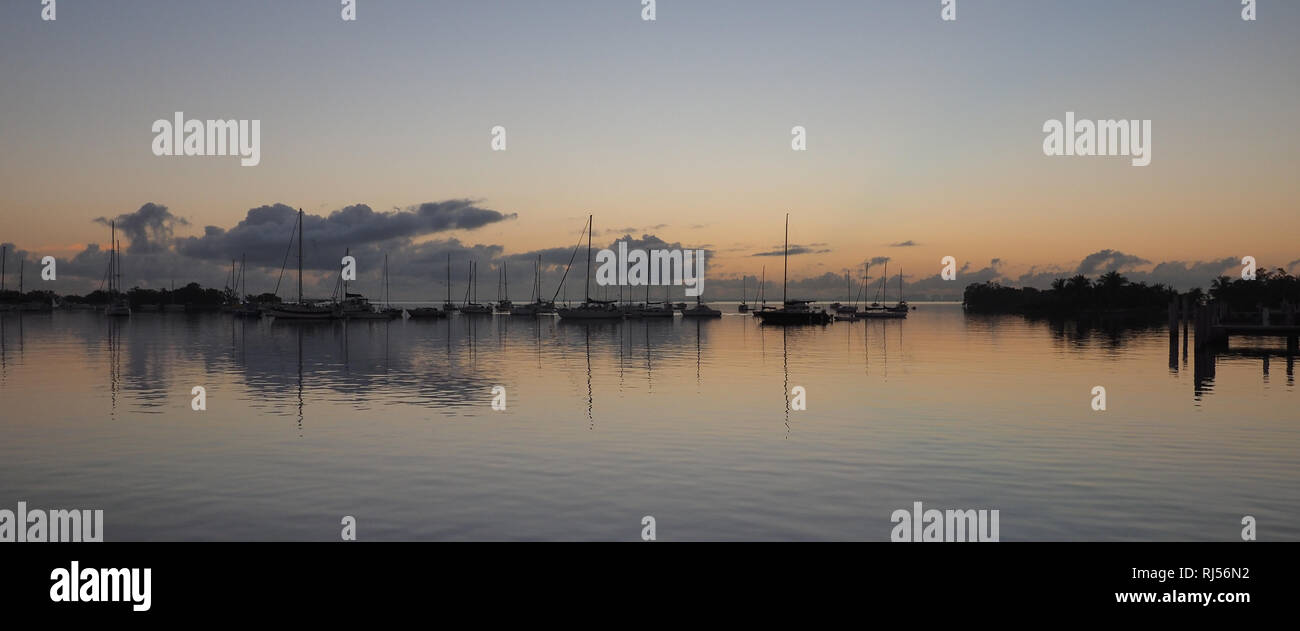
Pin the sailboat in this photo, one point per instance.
(537, 306)
(117, 303)
(503, 306)
(878, 311)
(848, 312)
(38, 306)
(300, 310)
(591, 309)
(792, 311)
(355, 306)
(655, 309)
(245, 308)
(230, 295)
(434, 312)
(472, 307)
(744, 306)
(448, 306)
(901, 307)
(388, 311)
(762, 294)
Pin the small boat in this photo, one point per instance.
(426, 313)
(744, 306)
(655, 310)
(701, 310)
(301, 311)
(591, 309)
(357, 307)
(792, 312)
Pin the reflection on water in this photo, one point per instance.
(610, 421)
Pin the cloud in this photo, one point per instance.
(1107, 260)
(660, 226)
(904, 244)
(263, 234)
(796, 249)
(148, 230)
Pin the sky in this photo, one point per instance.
(924, 137)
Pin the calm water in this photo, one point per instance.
(687, 421)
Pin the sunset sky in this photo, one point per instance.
(919, 131)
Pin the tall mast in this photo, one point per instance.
(449, 277)
(589, 229)
(300, 256)
(112, 257)
(346, 253)
(785, 271)
(21, 260)
(4, 255)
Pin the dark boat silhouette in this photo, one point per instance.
(792, 312)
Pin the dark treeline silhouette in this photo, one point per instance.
(10, 296)
(1269, 290)
(1113, 293)
(192, 295)
(1110, 293)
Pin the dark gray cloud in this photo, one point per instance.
(904, 244)
(148, 230)
(811, 248)
(263, 234)
(1107, 260)
(660, 226)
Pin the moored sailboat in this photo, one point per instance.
(792, 312)
(471, 306)
(301, 309)
(118, 305)
(591, 309)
